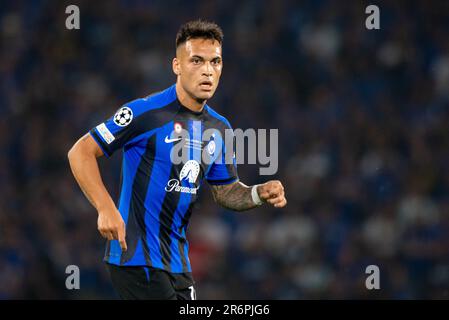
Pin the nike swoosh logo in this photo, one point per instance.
(167, 140)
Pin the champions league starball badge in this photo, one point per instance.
(123, 117)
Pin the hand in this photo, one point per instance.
(272, 192)
(112, 226)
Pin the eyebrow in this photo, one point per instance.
(202, 58)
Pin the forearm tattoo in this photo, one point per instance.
(235, 196)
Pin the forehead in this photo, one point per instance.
(200, 47)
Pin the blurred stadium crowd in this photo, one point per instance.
(363, 152)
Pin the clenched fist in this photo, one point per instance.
(272, 192)
(112, 226)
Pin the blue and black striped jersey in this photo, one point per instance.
(157, 195)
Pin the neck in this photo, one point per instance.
(188, 101)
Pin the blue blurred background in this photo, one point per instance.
(363, 143)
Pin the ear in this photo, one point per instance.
(176, 67)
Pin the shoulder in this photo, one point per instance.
(218, 118)
(152, 102)
(151, 112)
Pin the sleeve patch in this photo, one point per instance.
(105, 133)
(123, 117)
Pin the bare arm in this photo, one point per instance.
(83, 163)
(82, 158)
(237, 196)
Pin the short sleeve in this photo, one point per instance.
(116, 131)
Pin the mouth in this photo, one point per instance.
(206, 85)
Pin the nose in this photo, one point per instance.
(207, 70)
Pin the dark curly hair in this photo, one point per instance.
(199, 29)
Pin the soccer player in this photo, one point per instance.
(147, 249)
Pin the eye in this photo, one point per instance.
(216, 62)
(196, 61)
